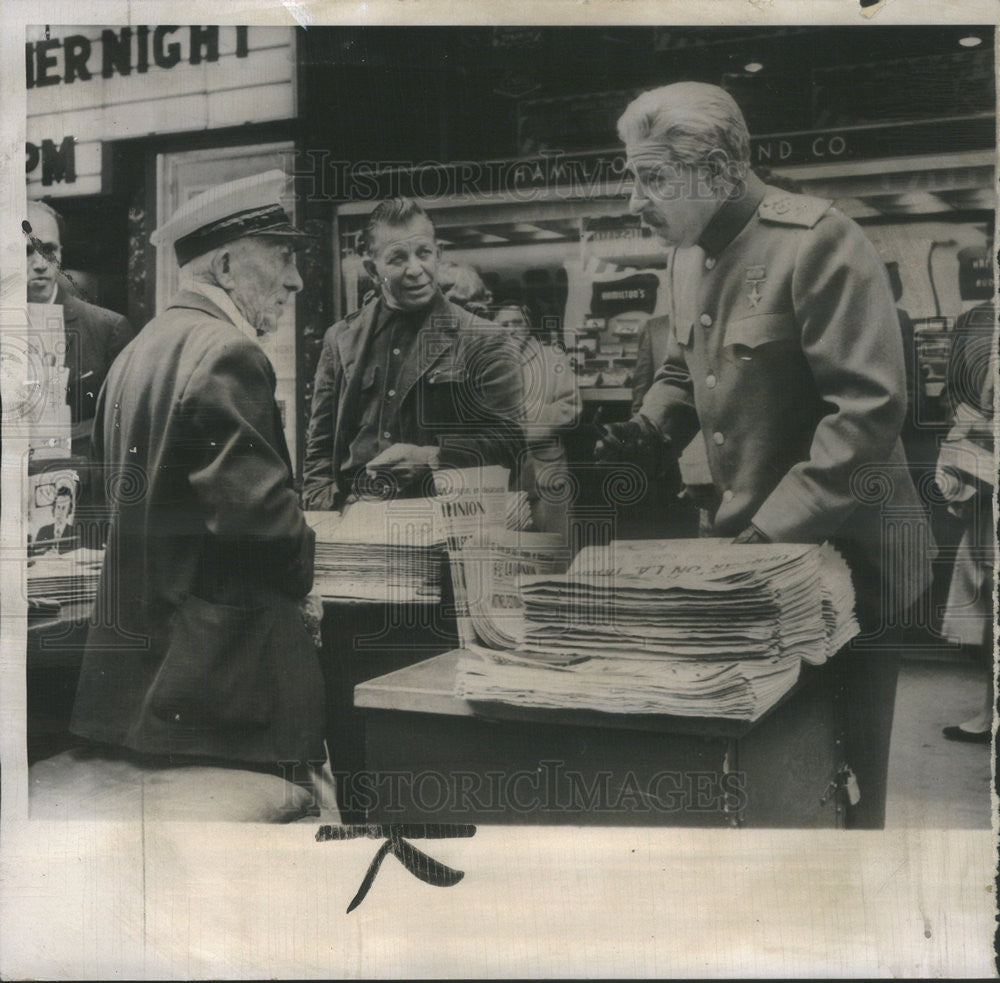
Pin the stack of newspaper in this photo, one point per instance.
(64, 578)
(700, 628)
(388, 551)
(488, 576)
(393, 551)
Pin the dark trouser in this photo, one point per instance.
(866, 687)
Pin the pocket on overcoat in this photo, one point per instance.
(215, 673)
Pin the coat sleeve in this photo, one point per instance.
(642, 374)
(492, 406)
(319, 482)
(669, 401)
(851, 340)
(238, 466)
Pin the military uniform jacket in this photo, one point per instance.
(785, 352)
(461, 390)
(197, 646)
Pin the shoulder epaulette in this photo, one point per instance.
(790, 209)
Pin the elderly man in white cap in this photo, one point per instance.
(198, 649)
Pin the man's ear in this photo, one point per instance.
(370, 269)
(222, 263)
(723, 170)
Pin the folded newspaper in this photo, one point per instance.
(698, 628)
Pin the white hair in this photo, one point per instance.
(697, 123)
(199, 269)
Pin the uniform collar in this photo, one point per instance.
(727, 223)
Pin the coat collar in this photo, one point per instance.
(727, 223)
(223, 302)
(198, 302)
(71, 309)
(353, 339)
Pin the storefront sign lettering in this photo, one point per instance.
(807, 148)
(58, 162)
(72, 58)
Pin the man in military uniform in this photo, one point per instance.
(411, 382)
(785, 353)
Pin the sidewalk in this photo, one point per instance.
(933, 782)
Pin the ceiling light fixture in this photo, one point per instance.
(753, 67)
(970, 41)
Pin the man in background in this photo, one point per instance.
(966, 476)
(551, 407)
(463, 285)
(411, 382)
(94, 336)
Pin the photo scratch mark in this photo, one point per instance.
(301, 14)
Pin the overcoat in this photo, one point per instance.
(197, 645)
(785, 351)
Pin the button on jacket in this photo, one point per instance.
(460, 390)
(392, 343)
(785, 351)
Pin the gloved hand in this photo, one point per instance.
(751, 535)
(637, 440)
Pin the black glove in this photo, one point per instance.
(636, 440)
(751, 535)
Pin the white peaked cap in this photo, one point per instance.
(249, 206)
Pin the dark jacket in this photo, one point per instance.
(197, 646)
(46, 539)
(461, 391)
(94, 337)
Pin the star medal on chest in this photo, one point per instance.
(755, 277)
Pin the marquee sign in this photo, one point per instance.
(88, 86)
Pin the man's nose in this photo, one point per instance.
(414, 268)
(38, 261)
(293, 281)
(637, 201)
